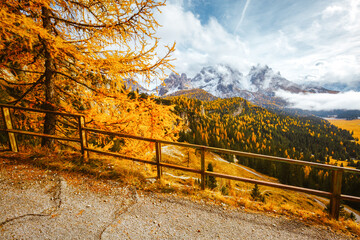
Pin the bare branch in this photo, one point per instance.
(29, 90)
(78, 82)
(19, 84)
(85, 85)
(22, 70)
(66, 93)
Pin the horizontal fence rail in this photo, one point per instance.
(41, 110)
(41, 135)
(228, 151)
(337, 172)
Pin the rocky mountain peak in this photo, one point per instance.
(219, 80)
(224, 81)
(174, 83)
(263, 78)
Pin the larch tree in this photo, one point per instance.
(74, 55)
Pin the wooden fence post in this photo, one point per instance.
(83, 140)
(336, 179)
(202, 168)
(158, 159)
(8, 126)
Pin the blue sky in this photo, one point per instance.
(307, 40)
(304, 40)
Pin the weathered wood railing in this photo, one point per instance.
(334, 195)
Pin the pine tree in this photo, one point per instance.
(211, 181)
(256, 194)
(352, 216)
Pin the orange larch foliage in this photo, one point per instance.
(74, 55)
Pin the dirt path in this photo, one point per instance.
(218, 158)
(51, 206)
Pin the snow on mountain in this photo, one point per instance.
(268, 82)
(224, 81)
(221, 81)
(261, 77)
(258, 86)
(174, 83)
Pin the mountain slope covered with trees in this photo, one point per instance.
(236, 124)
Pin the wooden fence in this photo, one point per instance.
(334, 195)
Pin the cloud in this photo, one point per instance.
(323, 101)
(291, 38)
(305, 40)
(198, 44)
(332, 10)
(331, 37)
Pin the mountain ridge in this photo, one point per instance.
(259, 86)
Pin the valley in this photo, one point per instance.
(183, 101)
(352, 126)
(236, 124)
(276, 198)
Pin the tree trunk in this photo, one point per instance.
(50, 119)
(49, 88)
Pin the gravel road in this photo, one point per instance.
(169, 218)
(53, 207)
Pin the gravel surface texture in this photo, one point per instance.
(166, 218)
(50, 207)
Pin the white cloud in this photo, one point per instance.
(332, 10)
(332, 38)
(321, 44)
(199, 45)
(323, 101)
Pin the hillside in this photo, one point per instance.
(50, 204)
(221, 114)
(87, 152)
(352, 126)
(198, 94)
(275, 199)
(47, 194)
(236, 124)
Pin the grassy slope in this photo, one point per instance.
(278, 202)
(350, 125)
(275, 198)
